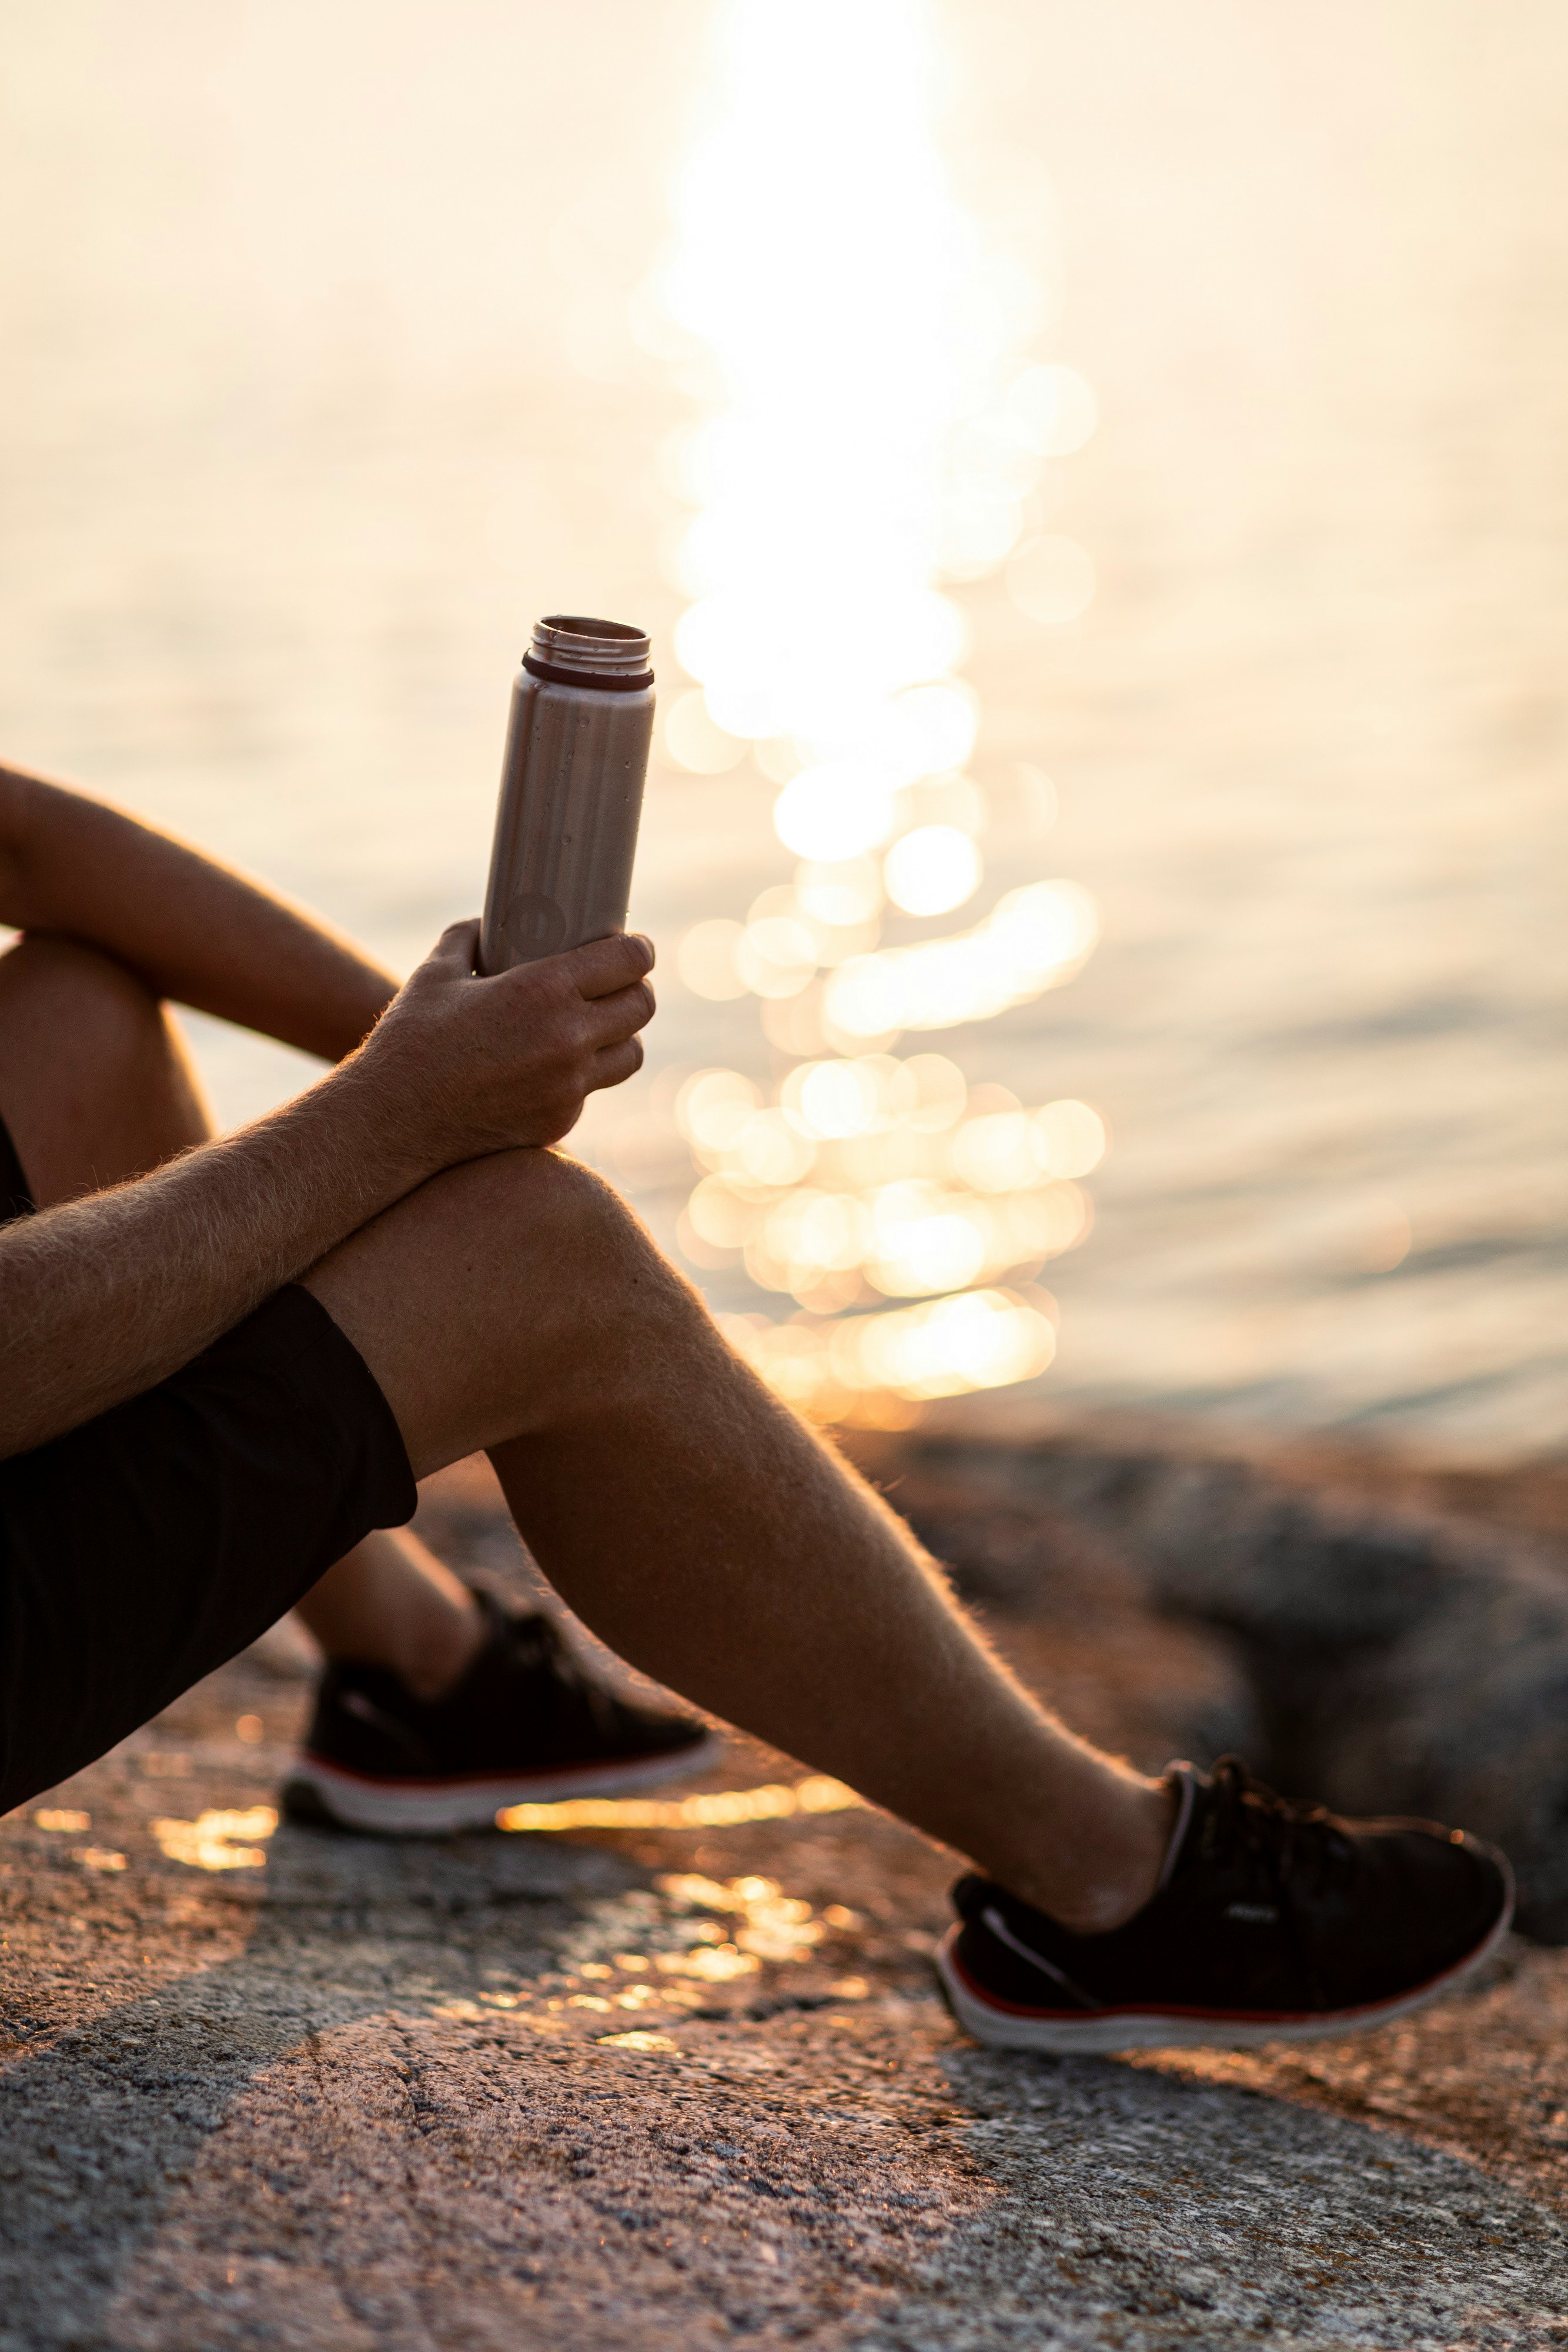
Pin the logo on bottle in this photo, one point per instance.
(535, 925)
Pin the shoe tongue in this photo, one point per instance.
(1182, 1781)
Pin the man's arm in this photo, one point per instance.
(102, 1296)
(190, 929)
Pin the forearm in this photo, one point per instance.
(103, 1297)
(192, 930)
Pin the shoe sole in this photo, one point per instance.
(430, 1808)
(1098, 2036)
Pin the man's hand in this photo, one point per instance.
(476, 1065)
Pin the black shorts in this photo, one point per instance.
(145, 1549)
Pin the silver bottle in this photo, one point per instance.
(571, 790)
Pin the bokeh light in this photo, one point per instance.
(1051, 410)
(777, 955)
(705, 959)
(932, 870)
(1035, 939)
(835, 811)
(845, 893)
(712, 1109)
(695, 742)
(876, 426)
(218, 1840)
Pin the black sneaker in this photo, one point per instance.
(527, 1724)
(1272, 1922)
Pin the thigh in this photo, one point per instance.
(146, 1547)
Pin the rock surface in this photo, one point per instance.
(673, 2088)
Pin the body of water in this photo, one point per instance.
(341, 343)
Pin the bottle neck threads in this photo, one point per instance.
(569, 650)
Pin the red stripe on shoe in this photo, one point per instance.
(1212, 2016)
(458, 1781)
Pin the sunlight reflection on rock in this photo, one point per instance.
(217, 1840)
(714, 1809)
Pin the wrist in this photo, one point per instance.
(361, 1017)
(395, 1142)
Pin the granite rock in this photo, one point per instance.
(375, 2097)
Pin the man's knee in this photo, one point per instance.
(543, 1213)
(87, 1003)
(94, 1085)
(508, 1296)
(555, 1249)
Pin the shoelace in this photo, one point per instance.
(1284, 1843)
(1279, 1838)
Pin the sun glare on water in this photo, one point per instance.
(876, 424)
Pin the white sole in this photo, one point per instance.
(430, 1808)
(1098, 2036)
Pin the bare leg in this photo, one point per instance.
(703, 1531)
(96, 1086)
(390, 1602)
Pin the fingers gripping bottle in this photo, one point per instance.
(572, 792)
